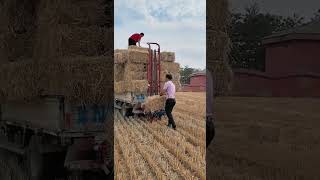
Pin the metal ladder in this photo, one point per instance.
(153, 70)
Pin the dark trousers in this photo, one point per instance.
(210, 130)
(168, 108)
(132, 42)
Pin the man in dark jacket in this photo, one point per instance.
(135, 38)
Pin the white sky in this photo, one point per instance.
(177, 25)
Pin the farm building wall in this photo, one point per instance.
(292, 70)
(259, 84)
(197, 84)
(293, 57)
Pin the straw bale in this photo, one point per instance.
(4, 17)
(130, 71)
(136, 86)
(17, 46)
(81, 80)
(170, 66)
(81, 13)
(121, 56)
(138, 56)
(218, 15)
(131, 55)
(3, 51)
(154, 103)
(167, 56)
(135, 75)
(71, 28)
(140, 67)
(137, 48)
(120, 50)
(223, 75)
(17, 23)
(64, 40)
(119, 87)
(19, 81)
(219, 44)
(119, 72)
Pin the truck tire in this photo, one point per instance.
(34, 159)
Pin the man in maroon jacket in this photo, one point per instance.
(135, 38)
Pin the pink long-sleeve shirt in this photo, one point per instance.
(170, 89)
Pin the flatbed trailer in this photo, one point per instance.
(53, 126)
(131, 103)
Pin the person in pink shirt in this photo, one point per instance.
(169, 89)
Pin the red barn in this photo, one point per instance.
(197, 82)
(292, 66)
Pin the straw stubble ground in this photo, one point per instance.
(146, 150)
(264, 139)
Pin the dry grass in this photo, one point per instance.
(152, 151)
(265, 138)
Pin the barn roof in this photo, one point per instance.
(310, 31)
(200, 73)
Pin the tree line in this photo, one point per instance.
(247, 29)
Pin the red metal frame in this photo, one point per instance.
(149, 71)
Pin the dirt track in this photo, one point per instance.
(265, 138)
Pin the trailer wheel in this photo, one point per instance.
(34, 159)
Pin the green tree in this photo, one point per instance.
(185, 73)
(247, 31)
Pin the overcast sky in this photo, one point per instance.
(177, 25)
(304, 8)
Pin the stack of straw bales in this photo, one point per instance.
(218, 45)
(17, 26)
(56, 47)
(169, 66)
(80, 80)
(130, 70)
(69, 28)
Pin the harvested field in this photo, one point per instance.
(265, 138)
(145, 150)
